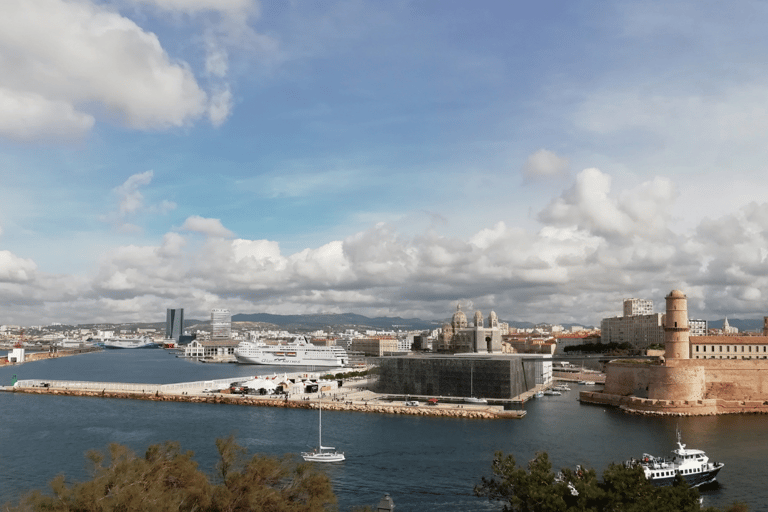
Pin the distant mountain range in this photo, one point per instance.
(337, 321)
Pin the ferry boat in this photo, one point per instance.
(142, 342)
(693, 465)
(296, 353)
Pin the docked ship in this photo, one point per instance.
(142, 342)
(693, 465)
(296, 353)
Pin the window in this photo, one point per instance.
(721, 348)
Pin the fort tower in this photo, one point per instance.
(676, 342)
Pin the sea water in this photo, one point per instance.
(424, 463)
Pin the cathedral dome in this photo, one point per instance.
(459, 319)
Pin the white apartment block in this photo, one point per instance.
(638, 330)
(697, 327)
(636, 307)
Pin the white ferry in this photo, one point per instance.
(296, 353)
(693, 465)
(142, 342)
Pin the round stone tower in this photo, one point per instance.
(676, 342)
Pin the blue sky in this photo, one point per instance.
(544, 160)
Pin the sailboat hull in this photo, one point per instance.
(323, 456)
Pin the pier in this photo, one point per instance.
(354, 398)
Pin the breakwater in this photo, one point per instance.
(370, 405)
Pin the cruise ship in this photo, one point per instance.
(296, 353)
(142, 342)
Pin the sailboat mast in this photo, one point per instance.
(320, 426)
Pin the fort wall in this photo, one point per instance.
(686, 387)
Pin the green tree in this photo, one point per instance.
(166, 479)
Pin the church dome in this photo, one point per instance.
(478, 319)
(459, 319)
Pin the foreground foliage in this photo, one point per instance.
(166, 479)
(539, 489)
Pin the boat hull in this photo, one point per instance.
(694, 480)
(323, 457)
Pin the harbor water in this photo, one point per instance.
(424, 463)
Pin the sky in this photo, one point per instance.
(544, 160)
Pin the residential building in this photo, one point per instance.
(639, 326)
(637, 307)
(698, 327)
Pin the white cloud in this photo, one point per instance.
(544, 164)
(589, 205)
(220, 106)
(64, 63)
(209, 227)
(129, 195)
(576, 267)
(131, 203)
(14, 269)
(194, 6)
(29, 116)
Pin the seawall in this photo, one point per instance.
(441, 410)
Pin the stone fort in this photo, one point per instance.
(698, 375)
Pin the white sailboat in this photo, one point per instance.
(472, 399)
(322, 453)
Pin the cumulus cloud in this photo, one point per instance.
(544, 164)
(28, 116)
(14, 269)
(589, 205)
(63, 64)
(576, 268)
(208, 227)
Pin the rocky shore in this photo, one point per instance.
(442, 410)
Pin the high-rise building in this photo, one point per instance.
(635, 307)
(174, 323)
(221, 324)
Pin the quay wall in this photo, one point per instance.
(707, 407)
(132, 387)
(502, 378)
(487, 412)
